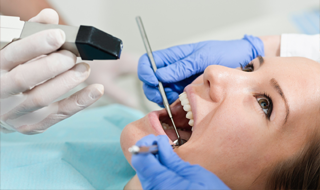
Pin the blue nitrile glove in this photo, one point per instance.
(166, 170)
(178, 66)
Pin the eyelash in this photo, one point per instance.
(250, 68)
(270, 109)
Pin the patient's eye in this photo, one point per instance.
(248, 68)
(265, 103)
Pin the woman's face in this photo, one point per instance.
(244, 122)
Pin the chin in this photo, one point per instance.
(159, 123)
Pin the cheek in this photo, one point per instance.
(238, 122)
(234, 135)
(232, 128)
(225, 139)
(230, 132)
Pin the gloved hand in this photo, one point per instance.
(178, 66)
(167, 171)
(34, 74)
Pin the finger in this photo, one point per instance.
(66, 108)
(162, 58)
(145, 71)
(147, 140)
(180, 70)
(168, 157)
(26, 76)
(171, 55)
(136, 159)
(146, 165)
(21, 51)
(46, 16)
(112, 89)
(171, 95)
(180, 86)
(153, 94)
(154, 175)
(44, 94)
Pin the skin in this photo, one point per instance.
(231, 132)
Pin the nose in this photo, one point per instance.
(222, 80)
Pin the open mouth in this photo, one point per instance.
(182, 116)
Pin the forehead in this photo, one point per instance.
(297, 74)
(300, 80)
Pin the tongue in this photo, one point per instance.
(183, 134)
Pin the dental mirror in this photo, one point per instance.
(179, 142)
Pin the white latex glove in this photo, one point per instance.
(108, 72)
(34, 74)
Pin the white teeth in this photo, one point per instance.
(185, 101)
(183, 95)
(191, 122)
(187, 108)
(189, 115)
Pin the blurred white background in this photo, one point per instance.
(176, 22)
(170, 22)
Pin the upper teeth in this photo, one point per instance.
(186, 106)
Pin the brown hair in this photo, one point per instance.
(300, 172)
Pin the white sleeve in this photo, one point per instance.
(300, 45)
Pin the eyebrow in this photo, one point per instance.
(277, 87)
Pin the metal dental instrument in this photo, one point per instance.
(145, 149)
(86, 42)
(166, 104)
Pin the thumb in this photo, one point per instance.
(179, 70)
(168, 157)
(46, 16)
(153, 94)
